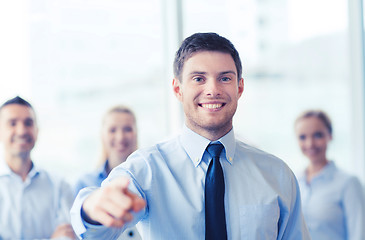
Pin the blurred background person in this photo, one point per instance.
(119, 140)
(33, 203)
(333, 201)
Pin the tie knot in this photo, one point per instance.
(215, 149)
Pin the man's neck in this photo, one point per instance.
(20, 165)
(210, 134)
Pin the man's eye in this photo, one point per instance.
(127, 129)
(302, 137)
(225, 79)
(28, 123)
(198, 79)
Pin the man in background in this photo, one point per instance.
(33, 203)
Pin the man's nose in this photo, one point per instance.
(213, 87)
(21, 129)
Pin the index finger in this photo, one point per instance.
(138, 203)
(121, 183)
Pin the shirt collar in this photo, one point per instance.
(195, 145)
(34, 171)
(102, 170)
(327, 171)
(6, 171)
(4, 168)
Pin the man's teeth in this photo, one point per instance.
(21, 140)
(212, 106)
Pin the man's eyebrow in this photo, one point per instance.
(221, 73)
(18, 119)
(228, 72)
(197, 72)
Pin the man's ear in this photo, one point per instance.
(176, 86)
(241, 87)
(36, 132)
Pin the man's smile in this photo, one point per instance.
(212, 105)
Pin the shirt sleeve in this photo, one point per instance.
(354, 209)
(64, 199)
(85, 230)
(292, 224)
(65, 202)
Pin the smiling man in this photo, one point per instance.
(33, 204)
(203, 184)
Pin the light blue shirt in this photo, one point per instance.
(34, 208)
(333, 205)
(262, 199)
(94, 179)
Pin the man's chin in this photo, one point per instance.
(21, 153)
(214, 125)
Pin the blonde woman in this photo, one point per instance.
(119, 140)
(332, 201)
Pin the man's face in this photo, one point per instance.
(209, 91)
(18, 129)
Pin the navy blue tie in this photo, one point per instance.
(215, 219)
